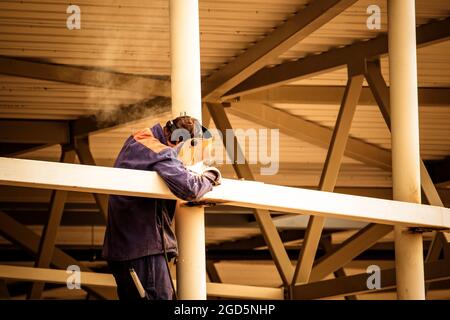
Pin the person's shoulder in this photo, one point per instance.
(146, 138)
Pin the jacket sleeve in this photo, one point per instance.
(182, 182)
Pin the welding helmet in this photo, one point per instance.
(193, 141)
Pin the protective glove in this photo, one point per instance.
(213, 174)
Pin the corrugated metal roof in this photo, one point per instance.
(133, 36)
(433, 69)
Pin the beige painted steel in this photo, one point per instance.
(191, 261)
(83, 76)
(249, 194)
(24, 237)
(45, 132)
(366, 237)
(310, 132)
(263, 217)
(348, 250)
(48, 238)
(55, 276)
(357, 284)
(185, 58)
(328, 246)
(107, 281)
(341, 132)
(405, 143)
(231, 291)
(329, 174)
(186, 99)
(293, 71)
(295, 29)
(381, 92)
(367, 125)
(332, 95)
(85, 156)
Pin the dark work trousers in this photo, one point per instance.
(152, 272)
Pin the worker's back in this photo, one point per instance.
(134, 223)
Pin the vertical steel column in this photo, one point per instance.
(405, 143)
(186, 98)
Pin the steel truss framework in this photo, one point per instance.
(245, 74)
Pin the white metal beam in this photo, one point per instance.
(187, 100)
(233, 291)
(250, 194)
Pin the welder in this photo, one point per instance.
(139, 235)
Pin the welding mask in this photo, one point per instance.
(194, 145)
(196, 150)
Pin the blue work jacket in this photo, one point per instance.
(134, 223)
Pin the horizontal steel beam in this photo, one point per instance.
(93, 217)
(19, 136)
(104, 280)
(35, 200)
(34, 131)
(426, 34)
(43, 70)
(357, 284)
(15, 149)
(332, 95)
(250, 194)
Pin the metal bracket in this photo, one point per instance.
(201, 203)
(420, 230)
